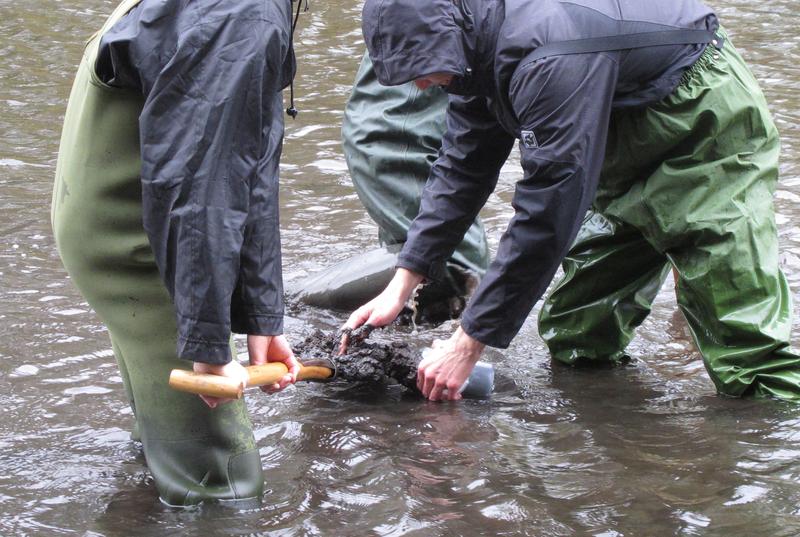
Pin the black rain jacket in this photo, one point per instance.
(211, 130)
(511, 81)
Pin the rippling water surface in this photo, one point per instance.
(646, 449)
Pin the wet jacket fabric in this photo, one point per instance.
(558, 105)
(210, 73)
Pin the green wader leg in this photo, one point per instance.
(695, 175)
(580, 320)
(391, 137)
(194, 453)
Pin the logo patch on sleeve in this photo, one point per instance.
(529, 140)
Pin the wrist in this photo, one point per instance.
(403, 284)
(468, 344)
(261, 336)
(214, 369)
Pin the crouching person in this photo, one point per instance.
(643, 112)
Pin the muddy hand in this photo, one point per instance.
(384, 308)
(346, 336)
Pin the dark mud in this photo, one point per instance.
(365, 361)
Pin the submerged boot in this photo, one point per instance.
(195, 453)
(353, 282)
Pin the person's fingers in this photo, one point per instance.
(358, 317)
(354, 335)
(376, 318)
(231, 370)
(292, 364)
(280, 351)
(344, 342)
(214, 402)
(421, 375)
(211, 402)
(357, 334)
(289, 378)
(285, 381)
(362, 332)
(276, 387)
(452, 387)
(437, 389)
(428, 383)
(384, 313)
(294, 370)
(422, 371)
(271, 388)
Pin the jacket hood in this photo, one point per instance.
(408, 39)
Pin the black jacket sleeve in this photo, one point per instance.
(211, 132)
(474, 148)
(563, 104)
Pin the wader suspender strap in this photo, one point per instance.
(625, 42)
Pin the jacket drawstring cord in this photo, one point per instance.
(292, 111)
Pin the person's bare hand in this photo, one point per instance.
(232, 369)
(263, 349)
(380, 311)
(442, 373)
(384, 308)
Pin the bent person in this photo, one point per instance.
(644, 113)
(165, 214)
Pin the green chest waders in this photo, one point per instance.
(392, 136)
(193, 452)
(688, 183)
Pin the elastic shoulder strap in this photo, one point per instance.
(625, 42)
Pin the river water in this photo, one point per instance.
(643, 450)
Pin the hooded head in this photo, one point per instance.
(409, 39)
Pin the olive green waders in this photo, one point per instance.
(194, 453)
(687, 183)
(392, 136)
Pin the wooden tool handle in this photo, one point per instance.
(258, 375)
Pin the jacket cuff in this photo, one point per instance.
(257, 324)
(435, 270)
(206, 352)
(488, 336)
